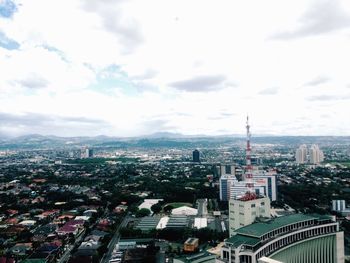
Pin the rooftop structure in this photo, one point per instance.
(177, 221)
(200, 222)
(147, 223)
(184, 210)
(147, 203)
(245, 212)
(191, 244)
(203, 257)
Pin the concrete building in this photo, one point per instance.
(338, 205)
(202, 205)
(243, 213)
(88, 153)
(313, 156)
(301, 154)
(227, 169)
(316, 155)
(226, 184)
(296, 238)
(191, 244)
(195, 155)
(265, 184)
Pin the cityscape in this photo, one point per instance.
(163, 200)
(174, 131)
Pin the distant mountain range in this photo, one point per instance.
(162, 139)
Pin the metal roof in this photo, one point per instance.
(261, 228)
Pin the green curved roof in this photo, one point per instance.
(251, 234)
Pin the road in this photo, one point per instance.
(161, 257)
(67, 254)
(114, 241)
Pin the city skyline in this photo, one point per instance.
(121, 68)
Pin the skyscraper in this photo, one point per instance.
(301, 154)
(226, 183)
(89, 153)
(313, 156)
(196, 156)
(316, 155)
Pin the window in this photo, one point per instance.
(225, 254)
(262, 203)
(253, 205)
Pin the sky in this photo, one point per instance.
(133, 67)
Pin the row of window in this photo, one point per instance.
(287, 229)
(295, 238)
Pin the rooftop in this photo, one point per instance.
(260, 229)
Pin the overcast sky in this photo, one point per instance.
(135, 67)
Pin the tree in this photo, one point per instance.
(156, 208)
(168, 208)
(143, 212)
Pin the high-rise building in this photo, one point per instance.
(245, 212)
(313, 156)
(265, 184)
(338, 205)
(89, 153)
(301, 154)
(296, 238)
(196, 156)
(226, 182)
(316, 155)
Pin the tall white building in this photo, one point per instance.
(316, 155)
(243, 213)
(265, 184)
(313, 156)
(301, 154)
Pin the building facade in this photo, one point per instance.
(296, 238)
(243, 213)
(316, 155)
(226, 184)
(338, 205)
(301, 154)
(227, 169)
(313, 156)
(264, 184)
(195, 155)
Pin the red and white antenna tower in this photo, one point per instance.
(250, 194)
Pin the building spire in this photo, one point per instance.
(250, 194)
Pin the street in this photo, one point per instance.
(114, 241)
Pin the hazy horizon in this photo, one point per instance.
(123, 69)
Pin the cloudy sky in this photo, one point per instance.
(134, 67)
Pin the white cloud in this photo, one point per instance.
(150, 58)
